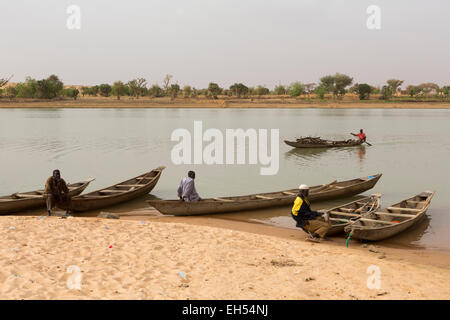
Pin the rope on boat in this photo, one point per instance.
(348, 238)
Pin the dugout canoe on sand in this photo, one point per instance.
(317, 142)
(383, 224)
(343, 215)
(118, 193)
(331, 190)
(35, 199)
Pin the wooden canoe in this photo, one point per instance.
(118, 193)
(343, 215)
(383, 224)
(35, 199)
(331, 190)
(325, 144)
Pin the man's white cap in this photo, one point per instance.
(303, 187)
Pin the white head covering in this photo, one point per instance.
(303, 187)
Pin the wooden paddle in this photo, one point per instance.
(368, 143)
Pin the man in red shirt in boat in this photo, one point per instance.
(361, 135)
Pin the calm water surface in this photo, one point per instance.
(410, 147)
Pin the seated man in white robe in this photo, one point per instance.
(186, 190)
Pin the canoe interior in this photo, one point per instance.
(40, 193)
(323, 143)
(34, 199)
(127, 186)
(341, 216)
(292, 192)
(382, 224)
(327, 191)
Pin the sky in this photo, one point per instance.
(256, 42)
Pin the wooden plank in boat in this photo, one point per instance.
(130, 185)
(380, 221)
(337, 219)
(22, 195)
(289, 193)
(345, 214)
(403, 209)
(263, 197)
(114, 191)
(224, 200)
(395, 214)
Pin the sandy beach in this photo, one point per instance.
(162, 259)
(257, 103)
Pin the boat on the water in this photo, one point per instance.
(35, 199)
(331, 190)
(343, 215)
(118, 193)
(317, 142)
(383, 224)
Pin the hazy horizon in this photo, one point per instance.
(199, 41)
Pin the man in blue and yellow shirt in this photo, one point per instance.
(310, 221)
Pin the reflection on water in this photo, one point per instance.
(410, 148)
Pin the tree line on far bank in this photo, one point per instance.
(337, 85)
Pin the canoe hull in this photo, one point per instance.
(90, 201)
(17, 205)
(383, 233)
(207, 206)
(372, 233)
(307, 145)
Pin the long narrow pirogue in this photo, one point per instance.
(383, 224)
(311, 142)
(118, 193)
(35, 199)
(342, 216)
(331, 190)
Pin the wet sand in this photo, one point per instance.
(146, 256)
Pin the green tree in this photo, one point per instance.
(336, 83)
(105, 89)
(187, 91)
(119, 89)
(26, 89)
(85, 91)
(363, 90)
(279, 90)
(49, 88)
(94, 90)
(174, 90)
(320, 91)
(296, 89)
(71, 92)
(445, 91)
(138, 87)
(214, 90)
(261, 90)
(413, 90)
(155, 91)
(239, 90)
(394, 84)
(386, 92)
(11, 92)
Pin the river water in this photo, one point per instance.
(410, 147)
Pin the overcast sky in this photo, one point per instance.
(226, 41)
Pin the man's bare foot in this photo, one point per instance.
(315, 240)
